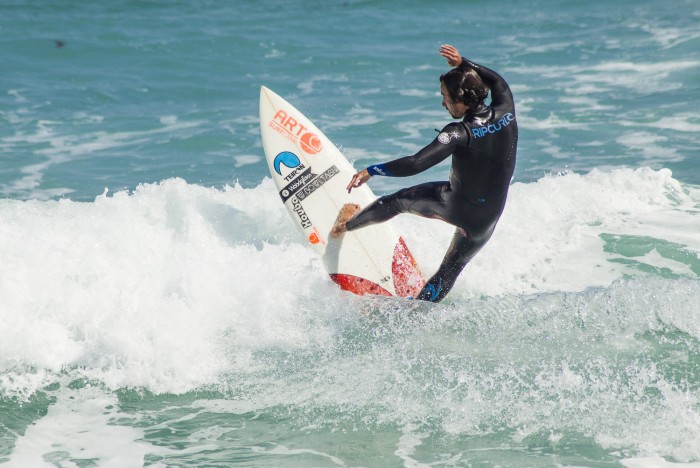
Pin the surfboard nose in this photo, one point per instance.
(267, 94)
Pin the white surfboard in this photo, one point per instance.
(311, 175)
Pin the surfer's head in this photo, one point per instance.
(462, 90)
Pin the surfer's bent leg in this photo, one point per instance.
(462, 249)
(423, 200)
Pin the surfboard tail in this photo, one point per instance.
(408, 280)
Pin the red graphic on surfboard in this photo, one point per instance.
(408, 280)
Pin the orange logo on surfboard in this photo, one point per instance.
(311, 143)
(315, 237)
(289, 127)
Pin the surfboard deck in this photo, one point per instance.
(311, 175)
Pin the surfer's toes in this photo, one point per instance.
(346, 213)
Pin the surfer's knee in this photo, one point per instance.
(380, 210)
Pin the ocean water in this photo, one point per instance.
(158, 308)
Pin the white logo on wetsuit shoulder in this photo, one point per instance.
(503, 122)
(445, 137)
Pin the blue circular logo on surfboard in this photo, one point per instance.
(287, 158)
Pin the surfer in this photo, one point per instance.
(483, 147)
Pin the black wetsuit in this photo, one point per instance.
(483, 148)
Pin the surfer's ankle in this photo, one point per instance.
(338, 230)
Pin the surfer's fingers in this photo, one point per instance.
(448, 49)
(356, 181)
(352, 184)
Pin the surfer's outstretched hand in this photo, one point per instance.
(358, 179)
(451, 54)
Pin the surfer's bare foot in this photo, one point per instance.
(346, 213)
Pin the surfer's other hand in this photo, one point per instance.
(358, 179)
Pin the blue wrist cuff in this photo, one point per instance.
(378, 169)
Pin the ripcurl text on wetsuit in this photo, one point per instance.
(483, 148)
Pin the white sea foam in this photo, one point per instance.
(307, 86)
(246, 159)
(668, 37)
(114, 288)
(574, 363)
(655, 461)
(17, 94)
(414, 93)
(357, 116)
(100, 284)
(585, 103)
(683, 122)
(281, 451)
(652, 148)
(549, 237)
(577, 80)
(77, 427)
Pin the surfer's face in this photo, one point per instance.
(456, 109)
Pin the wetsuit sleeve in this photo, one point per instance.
(453, 135)
(501, 95)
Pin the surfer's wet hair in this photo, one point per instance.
(464, 85)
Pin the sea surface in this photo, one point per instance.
(158, 307)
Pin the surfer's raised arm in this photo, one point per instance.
(500, 91)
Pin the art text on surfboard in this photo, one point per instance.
(291, 128)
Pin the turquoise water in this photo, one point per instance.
(157, 307)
